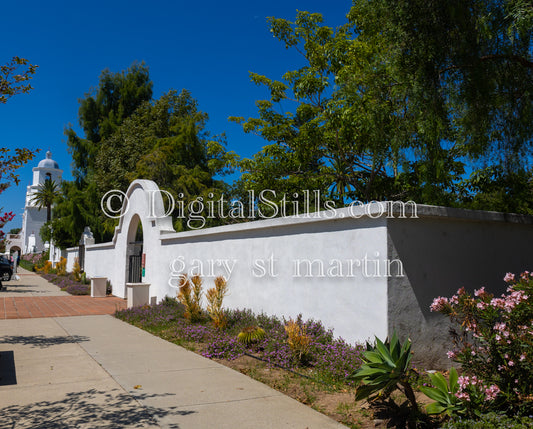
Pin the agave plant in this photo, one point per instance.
(251, 334)
(444, 394)
(385, 368)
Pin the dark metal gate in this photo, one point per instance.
(81, 256)
(135, 269)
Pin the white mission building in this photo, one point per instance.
(33, 218)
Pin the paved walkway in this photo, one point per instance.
(97, 371)
(33, 296)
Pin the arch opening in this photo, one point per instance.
(134, 251)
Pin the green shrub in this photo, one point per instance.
(490, 421)
(27, 265)
(444, 394)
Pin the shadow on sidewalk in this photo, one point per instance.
(41, 341)
(91, 409)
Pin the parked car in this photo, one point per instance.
(6, 269)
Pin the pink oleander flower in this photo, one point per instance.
(499, 327)
(509, 277)
(452, 354)
(480, 292)
(474, 380)
(511, 363)
(522, 357)
(439, 304)
(491, 392)
(463, 381)
(524, 275)
(463, 395)
(482, 305)
(497, 303)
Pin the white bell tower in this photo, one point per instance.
(33, 218)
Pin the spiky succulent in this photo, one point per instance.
(251, 334)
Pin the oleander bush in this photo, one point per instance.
(493, 342)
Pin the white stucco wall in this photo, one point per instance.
(439, 251)
(353, 303)
(71, 254)
(33, 220)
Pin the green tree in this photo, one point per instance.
(129, 136)
(103, 110)
(45, 195)
(398, 101)
(165, 141)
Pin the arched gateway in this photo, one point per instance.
(136, 239)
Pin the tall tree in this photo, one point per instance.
(103, 110)
(137, 137)
(398, 101)
(45, 195)
(165, 141)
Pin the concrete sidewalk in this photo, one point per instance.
(97, 371)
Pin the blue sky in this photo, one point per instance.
(207, 47)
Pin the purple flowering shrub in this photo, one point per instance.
(32, 257)
(68, 284)
(331, 359)
(494, 345)
(168, 310)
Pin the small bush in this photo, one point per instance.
(298, 340)
(47, 267)
(490, 421)
(61, 267)
(215, 296)
(190, 297)
(76, 269)
(27, 265)
(251, 334)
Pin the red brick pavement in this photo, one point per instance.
(25, 307)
